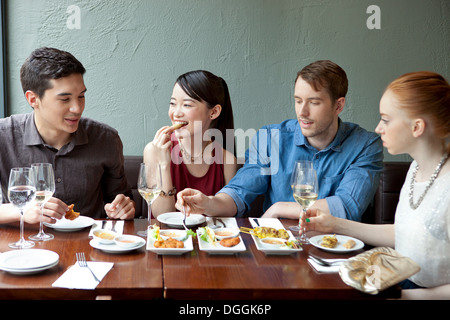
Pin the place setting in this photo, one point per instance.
(83, 274)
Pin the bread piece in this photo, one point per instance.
(349, 244)
(71, 215)
(178, 126)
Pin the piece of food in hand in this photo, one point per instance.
(178, 125)
(71, 215)
(349, 244)
(230, 242)
(329, 241)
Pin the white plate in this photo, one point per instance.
(273, 223)
(71, 225)
(28, 261)
(114, 248)
(216, 248)
(188, 246)
(316, 240)
(175, 219)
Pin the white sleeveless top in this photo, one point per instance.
(424, 234)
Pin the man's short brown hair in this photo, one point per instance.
(325, 74)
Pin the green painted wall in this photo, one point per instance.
(134, 50)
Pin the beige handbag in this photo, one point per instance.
(377, 269)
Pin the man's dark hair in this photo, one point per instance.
(45, 64)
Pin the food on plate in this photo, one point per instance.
(329, 241)
(105, 235)
(293, 244)
(266, 232)
(207, 234)
(349, 244)
(224, 233)
(275, 241)
(230, 242)
(71, 215)
(168, 243)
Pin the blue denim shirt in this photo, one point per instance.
(348, 170)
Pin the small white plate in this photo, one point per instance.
(316, 240)
(66, 225)
(28, 261)
(175, 219)
(273, 223)
(127, 241)
(223, 233)
(216, 248)
(114, 248)
(188, 246)
(173, 233)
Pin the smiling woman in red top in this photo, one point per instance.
(194, 156)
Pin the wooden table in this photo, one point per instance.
(135, 275)
(253, 275)
(142, 274)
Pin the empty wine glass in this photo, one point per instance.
(149, 187)
(45, 187)
(305, 190)
(21, 193)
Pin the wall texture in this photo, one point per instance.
(135, 49)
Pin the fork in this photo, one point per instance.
(326, 263)
(81, 259)
(184, 218)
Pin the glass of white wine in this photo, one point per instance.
(21, 193)
(149, 187)
(305, 189)
(45, 187)
(298, 166)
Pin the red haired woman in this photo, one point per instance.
(415, 119)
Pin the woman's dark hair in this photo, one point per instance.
(45, 64)
(206, 87)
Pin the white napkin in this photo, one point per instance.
(325, 269)
(77, 277)
(118, 227)
(266, 222)
(229, 222)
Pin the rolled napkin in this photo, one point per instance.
(377, 269)
(77, 277)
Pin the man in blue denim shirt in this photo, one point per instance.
(347, 158)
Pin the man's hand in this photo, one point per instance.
(122, 208)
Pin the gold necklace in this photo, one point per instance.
(188, 155)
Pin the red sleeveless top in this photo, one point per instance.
(209, 184)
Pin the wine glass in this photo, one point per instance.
(149, 187)
(305, 189)
(298, 166)
(45, 187)
(21, 193)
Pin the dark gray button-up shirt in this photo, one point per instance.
(89, 169)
